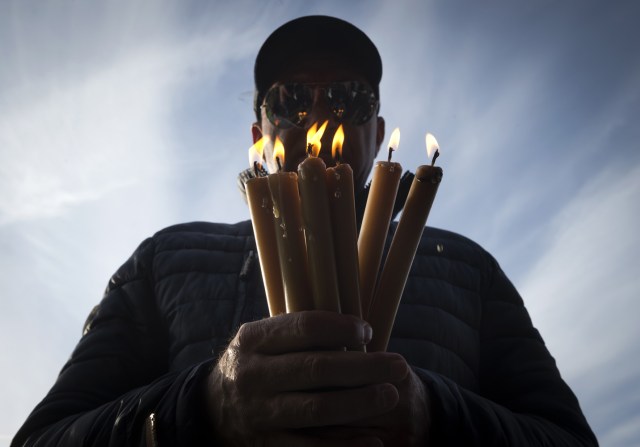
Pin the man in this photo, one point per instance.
(155, 367)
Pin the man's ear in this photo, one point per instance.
(256, 132)
(379, 134)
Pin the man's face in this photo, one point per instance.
(362, 141)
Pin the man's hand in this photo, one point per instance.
(287, 381)
(408, 424)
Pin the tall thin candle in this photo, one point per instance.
(376, 220)
(312, 182)
(261, 209)
(403, 249)
(290, 235)
(345, 233)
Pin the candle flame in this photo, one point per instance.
(394, 140)
(257, 150)
(432, 146)
(336, 146)
(313, 138)
(311, 132)
(278, 152)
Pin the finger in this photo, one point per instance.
(302, 410)
(300, 331)
(312, 370)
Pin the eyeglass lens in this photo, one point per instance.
(289, 105)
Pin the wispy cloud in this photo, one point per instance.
(582, 292)
(71, 136)
(88, 164)
(84, 138)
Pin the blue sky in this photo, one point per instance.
(120, 118)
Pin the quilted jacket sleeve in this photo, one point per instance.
(117, 376)
(522, 398)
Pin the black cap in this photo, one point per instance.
(311, 36)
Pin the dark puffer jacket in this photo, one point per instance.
(147, 347)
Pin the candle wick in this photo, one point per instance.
(256, 168)
(390, 152)
(309, 149)
(436, 155)
(279, 164)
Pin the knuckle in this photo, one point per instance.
(300, 323)
(228, 363)
(247, 336)
(274, 415)
(312, 367)
(244, 335)
(243, 381)
(310, 408)
(243, 372)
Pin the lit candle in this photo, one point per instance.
(312, 181)
(345, 232)
(261, 209)
(403, 249)
(375, 222)
(290, 235)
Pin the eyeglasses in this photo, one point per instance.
(288, 105)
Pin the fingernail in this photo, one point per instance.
(367, 333)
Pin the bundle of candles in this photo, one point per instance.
(306, 233)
